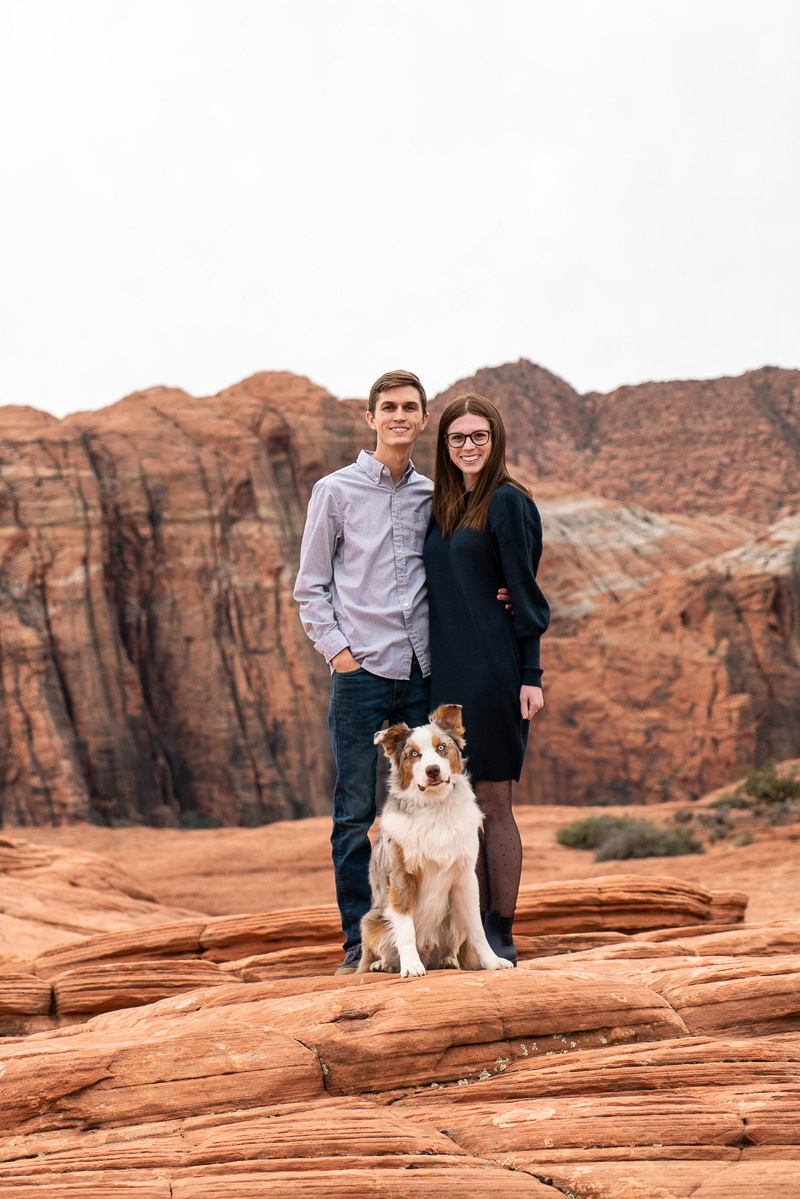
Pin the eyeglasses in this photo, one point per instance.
(456, 440)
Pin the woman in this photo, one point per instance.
(486, 535)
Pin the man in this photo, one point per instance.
(363, 602)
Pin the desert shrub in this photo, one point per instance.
(766, 787)
(641, 839)
(737, 800)
(589, 832)
(615, 838)
(718, 822)
(190, 819)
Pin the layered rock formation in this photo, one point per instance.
(714, 446)
(152, 666)
(152, 660)
(660, 1062)
(674, 656)
(674, 687)
(49, 896)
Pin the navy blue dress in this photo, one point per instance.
(482, 654)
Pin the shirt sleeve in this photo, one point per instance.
(517, 529)
(312, 589)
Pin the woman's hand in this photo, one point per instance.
(530, 701)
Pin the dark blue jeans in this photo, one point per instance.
(360, 702)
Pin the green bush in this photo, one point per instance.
(190, 819)
(589, 832)
(615, 838)
(767, 787)
(641, 839)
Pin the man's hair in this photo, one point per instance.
(396, 379)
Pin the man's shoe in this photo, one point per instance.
(351, 961)
(503, 949)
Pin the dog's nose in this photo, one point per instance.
(432, 772)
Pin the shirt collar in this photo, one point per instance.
(377, 471)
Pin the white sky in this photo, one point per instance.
(194, 190)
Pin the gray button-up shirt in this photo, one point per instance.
(361, 581)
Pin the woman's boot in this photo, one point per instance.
(498, 934)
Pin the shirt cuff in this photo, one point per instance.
(332, 644)
(531, 668)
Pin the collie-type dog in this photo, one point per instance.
(425, 906)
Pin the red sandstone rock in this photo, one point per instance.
(696, 674)
(152, 656)
(694, 1063)
(776, 937)
(625, 903)
(713, 1124)
(695, 670)
(680, 1180)
(622, 902)
(575, 1068)
(130, 984)
(163, 1070)
(49, 897)
(718, 446)
(394, 1177)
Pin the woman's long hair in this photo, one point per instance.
(450, 509)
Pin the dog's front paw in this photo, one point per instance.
(383, 966)
(412, 969)
(497, 963)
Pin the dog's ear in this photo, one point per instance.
(392, 739)
(448, 717)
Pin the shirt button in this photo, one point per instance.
(405, 605)
(401, 579)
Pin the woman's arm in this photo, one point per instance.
(517, 530)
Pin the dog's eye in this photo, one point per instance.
(413, 754)
(440, 749)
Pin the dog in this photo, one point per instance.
(425, 906)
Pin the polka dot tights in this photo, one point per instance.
(499, 864)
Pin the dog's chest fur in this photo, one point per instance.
(437, 835)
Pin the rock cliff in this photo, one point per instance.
(673, 659)
(152, 660)
(152, 666)
(729, 445)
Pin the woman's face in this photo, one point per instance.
(470, 458)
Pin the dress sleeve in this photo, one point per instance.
(516, 527)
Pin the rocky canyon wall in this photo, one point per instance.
(152, 665)
(152, 660)
(673, 660)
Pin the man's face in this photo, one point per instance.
(398, 418)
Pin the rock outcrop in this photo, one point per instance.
(674, 689)
(661, 1062)
(152, 660)
(712, 446)
(152, 666)
(142, 955)
(49, 897)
